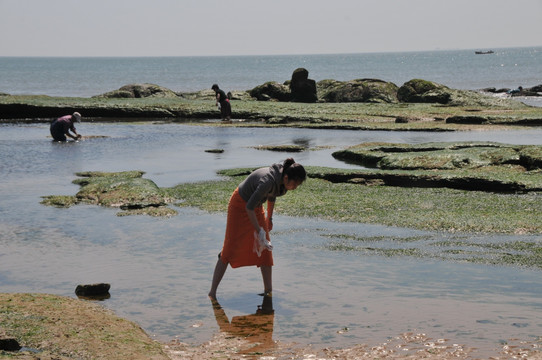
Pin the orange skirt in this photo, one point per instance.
(239, 239)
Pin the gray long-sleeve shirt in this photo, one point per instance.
(262, 185)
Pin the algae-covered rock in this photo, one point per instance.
(271, 91)
(431, 156)
(61, 328)
(531, 157)
(59, 200)
(483, 166)
(126, 190)
(139, 91)
(281, 148)
(359, 90)
(424, 91)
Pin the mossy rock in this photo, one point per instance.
(139, 91)
(423, 91)
(126, 190)
(431, 156)
(271, 91)
(484, 166)
(359, 90)
(58, 327)
(59, 201)
(281, 148)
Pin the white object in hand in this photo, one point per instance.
(261, 243)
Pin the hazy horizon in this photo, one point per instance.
(172, 28)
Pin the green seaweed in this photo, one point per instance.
(445, 209)
(520, 253)
(126, 190)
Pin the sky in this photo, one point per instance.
(255, 27)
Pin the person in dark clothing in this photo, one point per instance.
(60, 128)
(223, 103)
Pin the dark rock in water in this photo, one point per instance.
(9, 344)
(140, 91)
(533, 91)
(467, 120)
(271, 91)
(302, 88)
(92, 290)
(359, 90)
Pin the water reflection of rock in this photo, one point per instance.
(256, 328)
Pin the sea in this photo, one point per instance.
(160, 269)
(89, 76)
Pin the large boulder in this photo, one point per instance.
(139, 91)
(423, 91)
(271, 91)
(359, 90)
(302, 88)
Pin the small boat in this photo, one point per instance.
(484, 52)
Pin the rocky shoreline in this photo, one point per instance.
(299, 100)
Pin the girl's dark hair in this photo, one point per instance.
(294, 170)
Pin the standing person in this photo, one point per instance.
(222, 102)
(247, 242)
(60, 128)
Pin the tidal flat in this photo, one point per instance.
(354, 116)
(378, 282)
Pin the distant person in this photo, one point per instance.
(222, 102)
(247, 242)
(515, 91)
(60, 128)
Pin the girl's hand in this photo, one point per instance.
(263, 240)
(269, 224)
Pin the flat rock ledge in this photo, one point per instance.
(479, 166)
(126, 190)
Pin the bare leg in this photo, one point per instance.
(267, 279)
(220, 269)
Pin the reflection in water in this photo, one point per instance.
(256, 328)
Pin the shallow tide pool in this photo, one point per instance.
(160, 268)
